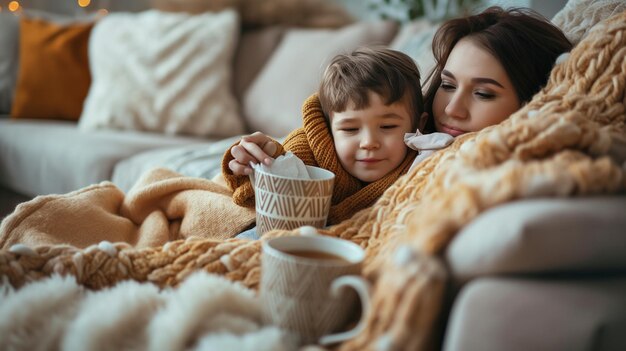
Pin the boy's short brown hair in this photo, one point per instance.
(389, 73)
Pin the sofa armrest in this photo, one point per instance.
(577, 235)
(533, 314)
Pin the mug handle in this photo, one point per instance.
(362, 287)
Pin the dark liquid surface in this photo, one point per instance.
(317, 255)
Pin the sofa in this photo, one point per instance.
(544, 274)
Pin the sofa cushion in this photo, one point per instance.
(163, 72)
(202, 160)
(272, 103)
(543, 236)
(44, 157)
(9, 42)
(53, 77)
(493, 314)
(198, 160)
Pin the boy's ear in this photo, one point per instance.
(421, 122)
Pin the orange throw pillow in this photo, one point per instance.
(53, 78)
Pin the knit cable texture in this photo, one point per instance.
(565, 142)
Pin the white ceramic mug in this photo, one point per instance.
(290, 203)
(304, 294)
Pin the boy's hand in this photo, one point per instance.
(253, 148)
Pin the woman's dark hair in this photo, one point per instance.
(525, 43)
(389, 73)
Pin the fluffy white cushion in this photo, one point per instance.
(273, 100)
(163, 72)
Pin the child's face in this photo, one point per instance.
(475, 91)
(370, 142)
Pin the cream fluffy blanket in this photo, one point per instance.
(206, 312)
(163, 206)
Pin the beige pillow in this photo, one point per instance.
(272, 103)
(163, 72)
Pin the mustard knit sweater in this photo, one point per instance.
(313, 144)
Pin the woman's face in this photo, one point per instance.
(475, 91)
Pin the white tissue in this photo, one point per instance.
(287, 165)
(426, 144)
(432, 141)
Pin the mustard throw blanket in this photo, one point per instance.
(568, 141)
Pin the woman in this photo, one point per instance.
(487, 66)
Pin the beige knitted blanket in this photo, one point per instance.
(570, 140)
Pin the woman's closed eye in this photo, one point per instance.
(389, 126)
(447, 86)
(484, 95)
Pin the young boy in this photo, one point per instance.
(354, 127)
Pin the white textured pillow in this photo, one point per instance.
(163, 72)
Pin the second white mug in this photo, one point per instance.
(302, 286)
